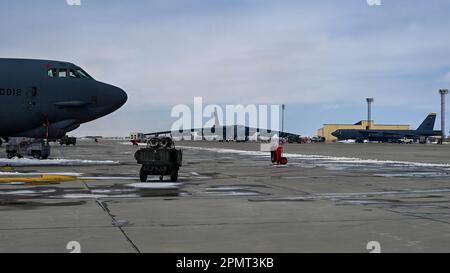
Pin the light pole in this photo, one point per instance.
(444, 93)
(283, 108)
(369, 112)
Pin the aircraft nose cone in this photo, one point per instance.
(117, 98)
(122, 97)
(111, 99)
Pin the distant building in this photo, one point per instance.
(362, 125)
(138, 137)
(93, 137)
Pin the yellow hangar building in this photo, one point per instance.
(328, 129)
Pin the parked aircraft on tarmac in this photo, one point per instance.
(48, 99)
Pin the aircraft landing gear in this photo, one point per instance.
(11, 155)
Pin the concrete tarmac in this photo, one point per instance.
(329, 198)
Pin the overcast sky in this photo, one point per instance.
(321, 58)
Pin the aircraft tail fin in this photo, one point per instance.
(428, 123)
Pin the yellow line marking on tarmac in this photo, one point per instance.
(40, 179)
(6, 169)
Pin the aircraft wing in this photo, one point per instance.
(381, 133)
(176, 132)
(232, 130)
(399, 134)
(158, 133)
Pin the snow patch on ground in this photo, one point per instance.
(18, 162)
(26, 192)
(18, 174)
(84, 196)
(108, 178)
(130, 144)
(325, 159)
(155, 186)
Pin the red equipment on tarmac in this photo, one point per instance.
(277, 156)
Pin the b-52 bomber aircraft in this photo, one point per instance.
(237, 133)
(46, 99)
(423, 132)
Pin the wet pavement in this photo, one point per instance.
(329, 198)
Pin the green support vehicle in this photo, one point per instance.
(159, 158)
(66, 140)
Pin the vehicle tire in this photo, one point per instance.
(166, 142)
(174, 177)
(284, 161)
(154, 143)
(36, 154)
(11, 155)
(143, 176)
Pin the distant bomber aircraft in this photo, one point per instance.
(424, 131)
(47, 99)
(239, 133)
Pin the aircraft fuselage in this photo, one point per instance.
(39, 94)
(383, 135)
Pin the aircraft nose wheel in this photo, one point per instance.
(11, 155)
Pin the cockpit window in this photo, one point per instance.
(62, 73)
(83, 74)
(73, 74)
(52, 73)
